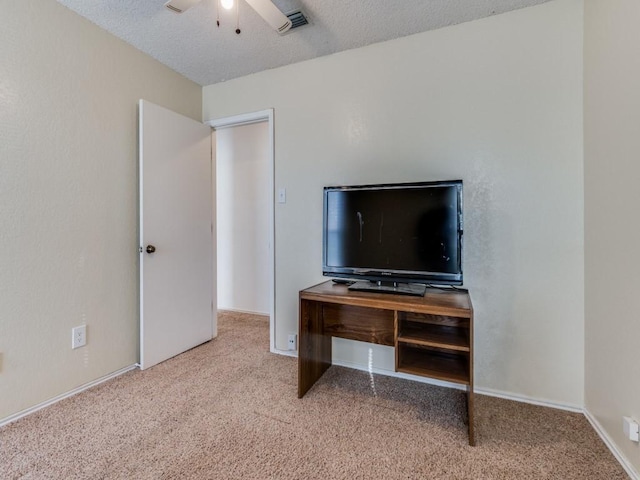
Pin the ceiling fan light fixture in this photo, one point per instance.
(227, 4)
(271, 14)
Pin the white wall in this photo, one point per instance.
(496, 102)
(68, 197)
(612, 224)
(243, 217)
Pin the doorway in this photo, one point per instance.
(244, 165)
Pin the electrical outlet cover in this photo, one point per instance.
(293, 341)
(630, 428)
(79, 336)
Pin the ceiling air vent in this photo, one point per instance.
(297, 19)
(179, 6)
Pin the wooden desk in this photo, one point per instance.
(432, 335)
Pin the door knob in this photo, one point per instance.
(151, 249)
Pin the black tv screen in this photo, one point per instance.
(409, 232)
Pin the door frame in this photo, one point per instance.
(246, 119)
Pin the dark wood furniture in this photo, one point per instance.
(432, 335)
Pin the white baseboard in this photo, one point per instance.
(631, 471)
(237, 310)
(286, 353)
(482, 391)
(71, 393)
(392, 373)
(531, 400)
(432, 381)
(379, 371)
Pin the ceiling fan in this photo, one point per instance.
(265, 8)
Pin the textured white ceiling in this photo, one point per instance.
(191, 44)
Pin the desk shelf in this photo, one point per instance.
(450, 338)
(434, 346)
(426, 362)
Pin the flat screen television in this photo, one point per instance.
(395, 238)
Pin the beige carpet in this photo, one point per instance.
(229, 410)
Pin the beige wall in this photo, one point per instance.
(612, 222)
(68, 197)
(243, 192)
(496, 102)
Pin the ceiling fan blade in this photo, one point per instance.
(271, 14)
(179, 6)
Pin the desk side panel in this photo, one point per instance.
(314, 347)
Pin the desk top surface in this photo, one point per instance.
(435, 301)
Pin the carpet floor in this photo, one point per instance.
(229, 410)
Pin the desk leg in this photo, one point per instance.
(314, 348)
(472, 433)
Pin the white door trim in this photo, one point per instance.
(242, 119)
(245, 119)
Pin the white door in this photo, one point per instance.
(176, 234)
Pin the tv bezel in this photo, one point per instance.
(391, 275)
